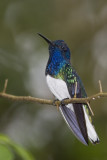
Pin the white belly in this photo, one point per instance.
(59, 88)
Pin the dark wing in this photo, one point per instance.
(76, 118)
(71, 120)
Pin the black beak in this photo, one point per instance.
(46, 39)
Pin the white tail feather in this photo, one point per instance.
(93, 137)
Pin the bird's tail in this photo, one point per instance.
(92, 135)
(71, 120)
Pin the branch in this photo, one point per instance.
(57, 103)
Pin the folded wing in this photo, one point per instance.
(60, 90)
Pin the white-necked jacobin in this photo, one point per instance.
(64, 82)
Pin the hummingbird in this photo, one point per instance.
(64, 82)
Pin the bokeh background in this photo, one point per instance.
(23, 57)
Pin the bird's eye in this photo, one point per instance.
(64, 48)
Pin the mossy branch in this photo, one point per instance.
(86, 100)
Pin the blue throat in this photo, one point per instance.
(55, 63)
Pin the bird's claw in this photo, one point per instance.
(62, 101)
(56, 104)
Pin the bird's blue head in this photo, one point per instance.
(59, 56)
(58, 49)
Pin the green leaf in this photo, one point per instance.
(5, 153)
(20, 151)
(24, 154)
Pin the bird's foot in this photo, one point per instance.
(62, 101)
(55, 101)
(56, 104)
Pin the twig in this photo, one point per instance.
(75, 89)
(90, 109)
(50, 102)
(5, 86)
(100, 85)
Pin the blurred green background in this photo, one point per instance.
(23, 56)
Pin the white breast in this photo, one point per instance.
(59, 88)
